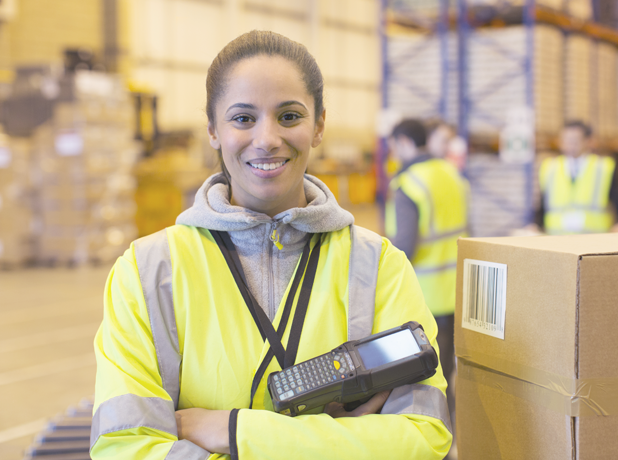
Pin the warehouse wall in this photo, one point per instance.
(39, 33)
(172, 43)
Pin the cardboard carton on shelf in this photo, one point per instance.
(537, 348)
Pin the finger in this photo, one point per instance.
(334, 409)
(373, 406)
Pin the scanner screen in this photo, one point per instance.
(388, 349)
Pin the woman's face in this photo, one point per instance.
(265, 127)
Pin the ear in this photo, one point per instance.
(215, 143)
(319, 130)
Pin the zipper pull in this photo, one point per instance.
(274, 237)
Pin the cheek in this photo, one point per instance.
(301, 140)
(233, 141)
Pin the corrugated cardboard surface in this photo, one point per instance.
(494, 425)
(561, 317)
(598, 326)
(540, 312)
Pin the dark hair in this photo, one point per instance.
(255, 43)
(585, 129)
(413, 130)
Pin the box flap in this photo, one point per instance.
(605, 243)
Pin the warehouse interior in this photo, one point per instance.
(104, 140)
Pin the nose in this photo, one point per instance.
(266, 136)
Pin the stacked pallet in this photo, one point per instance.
(84, 158)
(497, 82)
(17, 219)
(580, 9)
(502, 195)
(605, 92)
(416, 66)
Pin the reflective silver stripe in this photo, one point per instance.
(549, 185)
(418, 399)
(441, 268)
(363, 277)
(152, 254)
(432, 229)
(131, 411)
(186, 450)
(578, 207)
(597, 184)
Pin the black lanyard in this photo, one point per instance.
(286, 357)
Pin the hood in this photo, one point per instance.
(212, 210)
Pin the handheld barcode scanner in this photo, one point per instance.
(355, 370)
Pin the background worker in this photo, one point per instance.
(184, 350)
(578, 188)
(426, 213)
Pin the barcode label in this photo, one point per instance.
(484, 297)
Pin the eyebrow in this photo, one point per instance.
(288, 103)
(240, 105)
(243, 105)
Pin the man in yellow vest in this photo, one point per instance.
(577, 187)
(425, 215)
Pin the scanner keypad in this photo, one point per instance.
(312, 374)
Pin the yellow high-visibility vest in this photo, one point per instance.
(440, 193)
(580, 205)
(177, 334)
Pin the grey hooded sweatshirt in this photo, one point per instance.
(268, 270)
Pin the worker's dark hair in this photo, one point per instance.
(255, 43)
(585, 129)
(413, 130)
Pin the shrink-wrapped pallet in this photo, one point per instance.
(84, 160)
(580, 9)
(417, 70)
(497, 81)
(578, 77)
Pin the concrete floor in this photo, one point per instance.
(48, 318)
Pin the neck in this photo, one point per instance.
(294, 199)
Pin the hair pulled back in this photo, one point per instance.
(257, 43)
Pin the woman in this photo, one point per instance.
(183, 354)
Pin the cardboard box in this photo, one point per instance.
(549, 389)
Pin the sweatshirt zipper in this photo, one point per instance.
(274, 237)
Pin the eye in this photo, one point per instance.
(242, 119)
(290, 116)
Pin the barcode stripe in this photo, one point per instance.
(485, 300)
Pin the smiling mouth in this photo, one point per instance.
(267, 166)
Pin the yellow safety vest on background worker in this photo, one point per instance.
(440, 193)
(177, 334)
(580, 205)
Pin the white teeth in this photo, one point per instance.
(267, 166)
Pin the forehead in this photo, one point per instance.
(573, 131)
(443, 129)
(265, 80)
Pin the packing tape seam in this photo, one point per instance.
(573, 397)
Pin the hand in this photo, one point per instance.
(614, 229)
(373, 406)
(208, 429)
